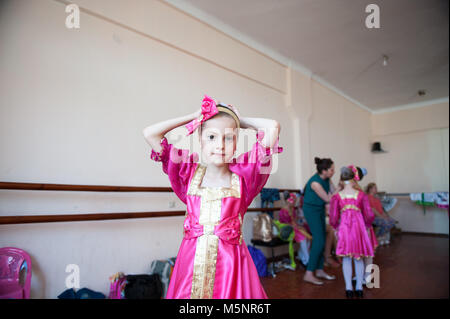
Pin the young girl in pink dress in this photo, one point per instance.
(213, 260)
(350, 215)
(288, 216)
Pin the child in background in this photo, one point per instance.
(350, 214)
(288, 216)
(383, 221)
(213, 260)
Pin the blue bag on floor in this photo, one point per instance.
(260, 261)
(83, 293)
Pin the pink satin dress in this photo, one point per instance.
(285, 217)
(351, 216)
(213, 260)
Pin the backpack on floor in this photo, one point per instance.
(143, 287)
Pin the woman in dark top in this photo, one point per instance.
(317, 194)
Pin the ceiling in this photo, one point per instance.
(329, 38)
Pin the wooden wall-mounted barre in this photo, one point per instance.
(92, 188)
(27, 219)
(81, 188)
(33, 219)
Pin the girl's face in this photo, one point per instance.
(373, 190)
(290, 203)
(291, 200)
(218, 140)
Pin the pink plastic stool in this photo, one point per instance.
(12, 263)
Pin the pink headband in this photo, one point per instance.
(355, 172)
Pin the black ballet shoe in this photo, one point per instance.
(359, 294)
(349, 294)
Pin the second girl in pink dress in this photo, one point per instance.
(350, 215)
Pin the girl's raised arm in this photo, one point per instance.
(155, 132)
(270, 127)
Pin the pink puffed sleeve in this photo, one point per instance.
(178, 165)
(367, 211)
(335, 211)
(254, 167)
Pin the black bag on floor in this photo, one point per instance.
(143, 287)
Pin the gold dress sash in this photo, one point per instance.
(207, 244)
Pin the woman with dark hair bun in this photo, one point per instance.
(317, 193)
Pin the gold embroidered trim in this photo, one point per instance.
(350, 207)
(204, 267)
(345, 196)
(241, 223)
(205, 259)
(213, 193)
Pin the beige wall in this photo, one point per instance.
(328, 125)
(340, 130)
(416, 141)
(73, 104)
(424, 118)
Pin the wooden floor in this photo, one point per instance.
(412, 266)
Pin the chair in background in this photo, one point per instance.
(15, 273)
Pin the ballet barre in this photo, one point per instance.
(93, 188)
(392, 194)
(32, 219)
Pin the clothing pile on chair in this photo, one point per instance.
(388, 202)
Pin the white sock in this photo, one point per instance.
(303, 252)
(359, 272)
(347, 270)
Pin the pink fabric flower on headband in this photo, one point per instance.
(355, 172)
(209, 109)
